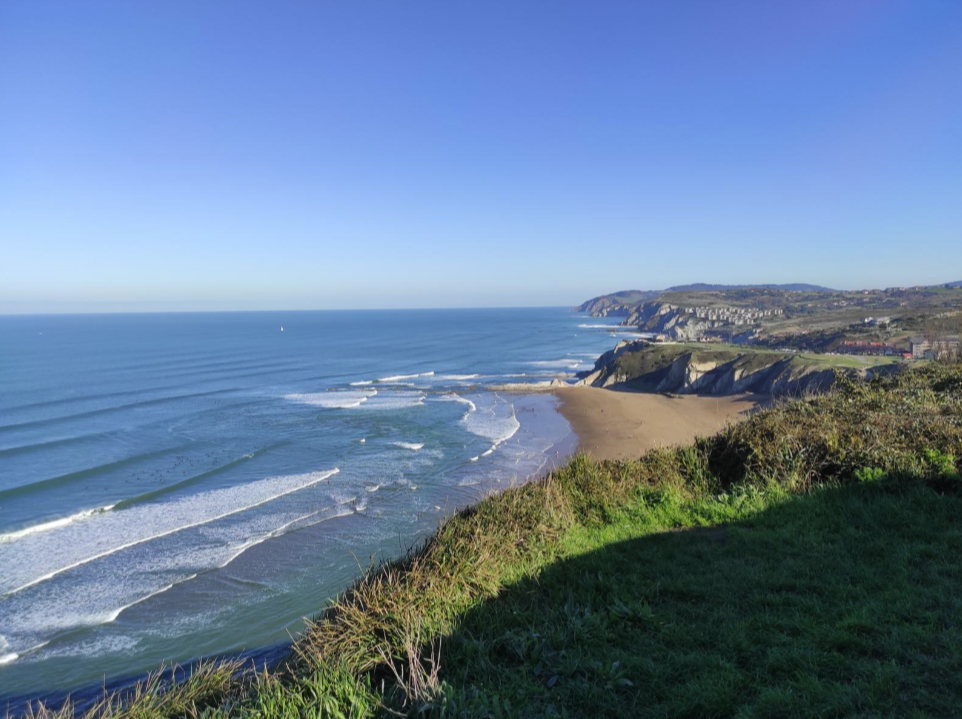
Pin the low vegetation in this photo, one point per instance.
(803, 562)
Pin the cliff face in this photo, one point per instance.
(619, 304)
(677, 322)
(674, 368)
(671, 320)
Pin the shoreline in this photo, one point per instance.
(623, 424)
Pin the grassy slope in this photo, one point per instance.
(801, 563)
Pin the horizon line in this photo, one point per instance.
(264, 311)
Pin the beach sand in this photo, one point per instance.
(613, 424)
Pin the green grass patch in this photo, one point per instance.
(842, 602)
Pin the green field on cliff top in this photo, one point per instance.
(801, 563)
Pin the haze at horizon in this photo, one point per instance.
(235, 155)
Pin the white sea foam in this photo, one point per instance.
(413, 446)
(601, 327)
(399, 377)
(494, 421)
(459, 377)
(237, 551)
(472, 407)
(395, 400)
(5, 656)
(362, 440)
(344, 399)
(39, 557)
(362, 383)
(53, 524)
(123, 579)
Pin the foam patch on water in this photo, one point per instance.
(472, 407)
(400, 377)
(460, 377)
(494, 421)
(53, 524)
(342, 399)
(89, 573)
(41, 556)
(5, 656)
(394, 400)
(413, 446)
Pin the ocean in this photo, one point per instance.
(174, 486)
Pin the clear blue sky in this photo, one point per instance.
(306, 154)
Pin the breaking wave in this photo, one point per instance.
(39, 557)
(400, 377)
(394, 400)
(53, 524)
(496, 422)
(343, 399)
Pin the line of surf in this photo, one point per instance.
(148, 496)
(488, 424)
(50, 575)
(453, 397)
(338, 399)
(276, 532)
(399, 377)
(53, 524)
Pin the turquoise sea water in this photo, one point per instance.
(183, 485)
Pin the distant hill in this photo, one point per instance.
(793, 287)
(634, 297)
(954, 284)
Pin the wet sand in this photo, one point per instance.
(613, 424)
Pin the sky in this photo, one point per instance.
(234, 155)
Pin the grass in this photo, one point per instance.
(838, 603)
(802, 563)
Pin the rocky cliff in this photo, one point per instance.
(683, 323)
(683, 370)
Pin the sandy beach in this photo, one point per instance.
(613, 424)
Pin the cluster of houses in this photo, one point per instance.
(733, 315)
(881, 349)
(934, 348)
